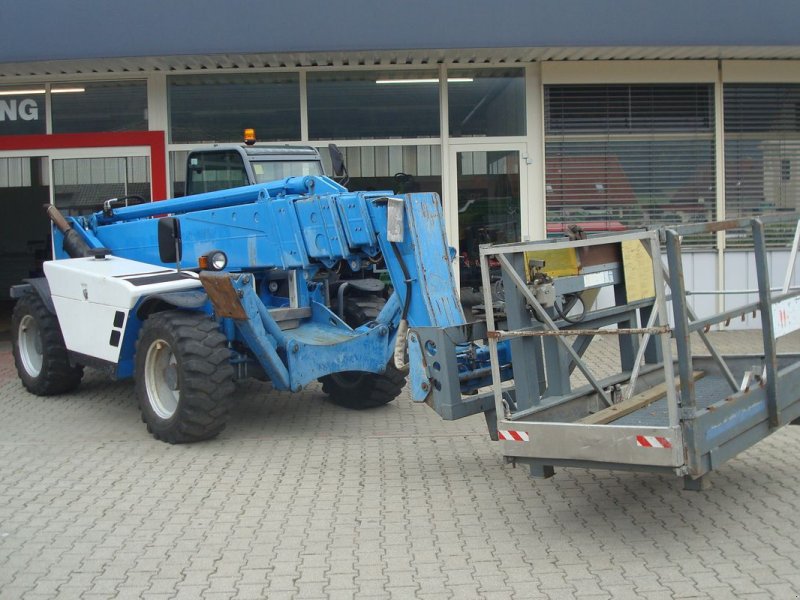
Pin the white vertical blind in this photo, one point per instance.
(15, 172)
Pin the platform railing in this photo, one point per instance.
(509, 257)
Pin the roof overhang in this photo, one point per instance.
(359, 59)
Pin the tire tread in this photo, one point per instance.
(57, 375)
(206, 377)
(371, 390)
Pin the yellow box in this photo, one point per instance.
(638, 269)
(557, 263)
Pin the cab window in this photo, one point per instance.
(212, 171)
(266, 171)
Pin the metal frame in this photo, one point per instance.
(462, 145)
(696, 437)
(96, 145)
(570, 441)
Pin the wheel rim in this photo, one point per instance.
(161, 379)
(29, 341)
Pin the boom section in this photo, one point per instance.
(306, 224)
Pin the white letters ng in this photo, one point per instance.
(27, 110)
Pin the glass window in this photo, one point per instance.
(640, 108)
(486, 102)
(611, 184)
(80, 185)
(218, 108)
(212, 171)
(373, 104)
(272, 170)
(762, 155)
(99, 106)
(264, 171)
(22, 110)
(488, 212)
(401, 169)
(649, 159)
(177, 161)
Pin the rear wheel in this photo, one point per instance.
(184, 378)
(40, 354)
(358, 389)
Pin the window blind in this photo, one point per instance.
(629, 155)
(762, 154)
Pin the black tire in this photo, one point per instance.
(40, 354)
(358, 389)
(185, 352)
(361, 309)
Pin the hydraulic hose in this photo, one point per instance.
(568, 306)
(74, 244)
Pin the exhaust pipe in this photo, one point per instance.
(74, 244)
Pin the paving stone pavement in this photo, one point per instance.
(301, 499)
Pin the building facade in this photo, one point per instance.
(524, 116)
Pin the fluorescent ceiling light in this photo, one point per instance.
(449, 80)
(67, 90)
(21, 92)
(32, 91)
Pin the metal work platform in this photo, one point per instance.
(662, 411)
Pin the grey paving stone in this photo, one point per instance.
(301, 499)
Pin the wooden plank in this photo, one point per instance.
(626, 407)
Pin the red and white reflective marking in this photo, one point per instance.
(652, 441)
(513, 436)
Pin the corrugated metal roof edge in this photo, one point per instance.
(360, 59)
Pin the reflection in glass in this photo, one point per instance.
(401, 169)
(486, 102)
(762, 156)
(99, 106)
(213, 171)
(373, 104)
(488, 212)
(82, 184)
(218, 108)
(627, 156)
(266, 171)
(614, 185)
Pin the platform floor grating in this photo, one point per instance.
(708, 390)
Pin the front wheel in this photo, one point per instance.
(40, 354)
(184, 378)
(359, 390)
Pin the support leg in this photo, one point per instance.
(700, 484)
(542, 471)
(491, 423)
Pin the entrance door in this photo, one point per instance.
(488, 180)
